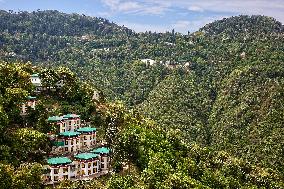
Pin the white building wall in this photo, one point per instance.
(105, 163)
(72, 124)
(88, 140)
(60, 173)
(89, 168)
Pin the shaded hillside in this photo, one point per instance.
(181, 101)
(247, 117)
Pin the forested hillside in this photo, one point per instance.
(219, 89)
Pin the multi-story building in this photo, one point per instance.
(88, 164)
(75, 141)
(58, 169)
(59, 123)
(88, 137)
(73, 122)
(104, 157)
(80, 166)
(71, 141)
(69, 122)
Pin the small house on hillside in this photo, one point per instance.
(36, 81)
(31, 102)
(149, 61)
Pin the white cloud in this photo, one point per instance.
(137, 7)
(129, 6)
(195, 8)
(274, 8)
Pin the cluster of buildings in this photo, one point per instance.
(75, 154)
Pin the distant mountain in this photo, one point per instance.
(56, 23)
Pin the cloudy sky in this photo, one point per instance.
(155, 15)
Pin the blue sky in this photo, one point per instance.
(155, 15)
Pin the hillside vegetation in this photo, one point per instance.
(219, 89)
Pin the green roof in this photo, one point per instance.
(87, 129)
(35, 75)
(58, 143)
(58, 160)
(31, 97)
(102, 150)
(55, 118)
(69, 134)
(86, 156)
(71, 116)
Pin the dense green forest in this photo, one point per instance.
(208, 114)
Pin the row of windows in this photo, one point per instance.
(77, 142)
(95, 170)
(89, 164)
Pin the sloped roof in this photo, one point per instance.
(86, 156)
(35, 75)
(58, 160)
(58, 143)
(102, 150)
(71, 116)
(54, 118)
(31, 97)
(69, 134)
(86, 129)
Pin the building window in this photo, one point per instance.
(85, 137)
(66, 148)
(65, 170)
(94, 170)
(102, 165)
(83, 165)
(66, 142)
(56, 178)
(48, 178)
(89, 165)
(95, 164)
(89, 172)
(73, 168)
(71, 142)
(55, 171)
